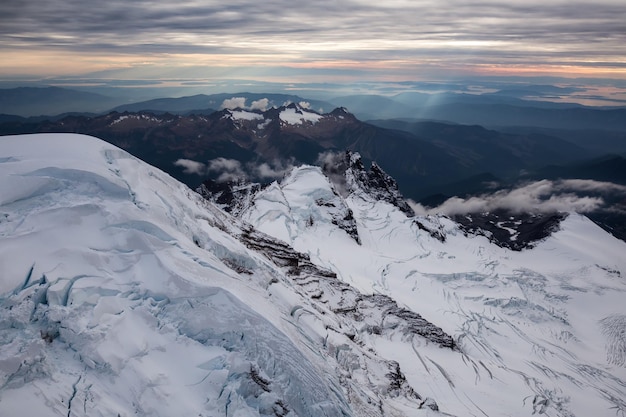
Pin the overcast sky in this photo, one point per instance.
(350, 39)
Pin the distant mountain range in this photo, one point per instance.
(500, 109)
(203, 103)
(491, 110)
(51, 101)
(421, 156)
(431, 161)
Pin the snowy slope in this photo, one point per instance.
(122, 292)
(541, 330)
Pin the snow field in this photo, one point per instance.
(528, 323)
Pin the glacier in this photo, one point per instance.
(529, 324)
(123, 292)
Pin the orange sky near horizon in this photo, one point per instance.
(324, 41)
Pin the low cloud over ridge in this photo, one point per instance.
(228, 170)
(240, 103)
(582, 196)
(191, 167)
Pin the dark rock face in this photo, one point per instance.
(232, 197)
(436, 233)
(342, 216)
(376, 313)
(349, 173)
(384, 187)
(391, 315)
(514, 231)
(282, 254)
(359, 315)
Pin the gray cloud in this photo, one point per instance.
(261, 104)
(486, 32)
(333, 165)
(591, 186)
(234, 103)
(233, 170)
(240, 103)
(270, 171)
(582, 196)
(228, 169)
(192, 167)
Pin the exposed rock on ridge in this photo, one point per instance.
(349, 173)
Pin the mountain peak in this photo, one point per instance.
(293, 105)
(349, 175)
(342, 112)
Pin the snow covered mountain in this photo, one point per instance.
(536, 330)
(123, 292)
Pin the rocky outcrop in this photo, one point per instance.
(375, 183)
(374, 313)
(232, 196)
(281, 254)
(341, 215)
(514, 231)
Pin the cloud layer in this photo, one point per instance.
(240, 103)
(396, 33)
(191, 167)
(582, 196)
(231, 170)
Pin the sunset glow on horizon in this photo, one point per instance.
(314, 42)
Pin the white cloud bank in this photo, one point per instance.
(233, 170)
(240, 103)
(262, 104)
(540, 196)
(228, 169)
(270, 171)
(191, 167)
(234, 103)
